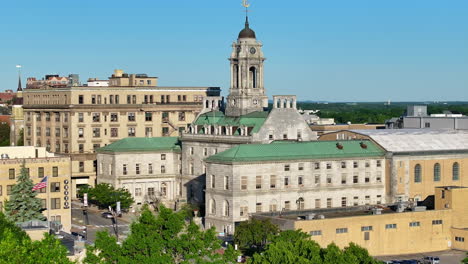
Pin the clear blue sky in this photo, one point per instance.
(336, 50)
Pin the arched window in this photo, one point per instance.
(455, 171)
(417, 173)
(253, 77)
(235, 76)
(437, 172)
(226, 208)
(212, 207)
(300, 203)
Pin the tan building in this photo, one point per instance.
(40, 164)
(386, 232)
(77, 120)
(418, 160)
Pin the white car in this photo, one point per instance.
(431, 260)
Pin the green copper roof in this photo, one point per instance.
(297, 151)
(143, 144)
(254, 119)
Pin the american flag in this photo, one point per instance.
(41, 184)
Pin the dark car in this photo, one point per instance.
(410, 261)
(107, 215)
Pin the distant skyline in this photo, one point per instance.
(319, 50)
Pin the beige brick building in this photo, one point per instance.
(40, 164)
(77, 120)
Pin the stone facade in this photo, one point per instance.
(235, 191)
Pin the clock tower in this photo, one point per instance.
(247, 92)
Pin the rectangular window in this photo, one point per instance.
(163, 156)
(273, 208)
(8, 189)
(286, 167)
(80, 99)
(165, 131)
(148, 116)
(212, 181)
(356, 200)
(286, 182)
(343, 164)
(148, 131)
(114, 117)
(379, 163)
(355, 179)
(366, 228)
(150, 191)
(131, 117)
(436, 222)
(414, 224)
(329, 165)
(131, 131)
(55, 187)
(96, 132)
(114, 132)
(11, 174)
(40, 172)
(459, 239)
(272, 181)
(55, 203)
(390, 226)
(316, 233)
(137, 168)
(366, 236)
(47, 131)
(150, 168)
(379, 199)
(342, 230)
(81, 166)
(317, 203)
(287, 205)
(80, 148)
(93, 99)
(258, 207)
(367, 178)
(329, 202)
(205, 152)
(96, 117)
(378, 177)
(80, 132)
(300, 180)
(182, 116)
(329, 179)
(317, 179)
(317, 165)
(300, 166)
(80, 117)
(124, 169)
(367, 164)
(343, 178)
(355, 164)
(258, 182)
(163, 169)
(343, 201)
(137, 191)
(244, 183)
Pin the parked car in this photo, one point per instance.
(431, 260)
(107, 215)
(410, 261)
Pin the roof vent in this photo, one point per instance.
(363, 145)
(339, 146)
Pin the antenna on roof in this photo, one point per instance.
(246, 4)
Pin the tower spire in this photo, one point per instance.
(19, 78)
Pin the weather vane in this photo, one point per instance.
(246, 4)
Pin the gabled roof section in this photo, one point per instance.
(143, 144)
(254, 119)
(298, 151)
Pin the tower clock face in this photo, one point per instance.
(253, 50)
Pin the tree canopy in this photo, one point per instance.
(296, 247)
(17, 247)
(168, 237)
(23, 205)
(105, 195)
(253, 235)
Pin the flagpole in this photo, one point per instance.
(48, 203)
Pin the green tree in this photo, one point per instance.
(296, 247)
(253, 235)
(465, 260)
(17, 247)
(4, 135)
(165, 238)
(23, 205)
(20, 141)
(105, 195)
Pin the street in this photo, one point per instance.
(96, 222)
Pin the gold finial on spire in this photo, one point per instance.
(245, 3)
